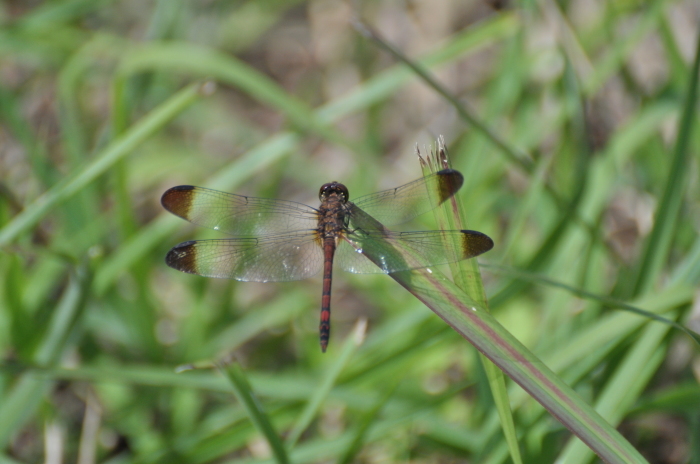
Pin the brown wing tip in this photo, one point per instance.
(183, 257)
(475, 243)
(177, 200)
(449, 182)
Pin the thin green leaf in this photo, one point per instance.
(118, 149)
(521, 159)
(607, 301)
(381, 86)
(468, 277)
(353, 448)
(625, 386)
(210, 63)
(329, 380)
(22, 401)
(658, 245)
(244, 393)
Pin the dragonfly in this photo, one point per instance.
(279, 240)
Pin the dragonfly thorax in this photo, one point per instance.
(333, 188)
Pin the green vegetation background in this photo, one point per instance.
(105, 104)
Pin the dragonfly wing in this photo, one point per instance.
(351, 260)
(263, 259)
(401, 204)
(385, 252)
(236, 214)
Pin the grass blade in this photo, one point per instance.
(353, 448)
(117, 150)
(658, 244)
(623, 389)
(468, 277)
(473, 322)
(512, 154)
(244, 393)
(210, 63)
(321, 393)
(22, 401)
(604, 300)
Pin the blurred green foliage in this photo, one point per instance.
(106, 104)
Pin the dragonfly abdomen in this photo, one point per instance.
(331, 223)
(324, 327)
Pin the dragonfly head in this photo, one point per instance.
(333, 188)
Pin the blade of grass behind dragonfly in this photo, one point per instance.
(22, 401)
(467, 276)
(658, 245)
(359, 436)
(100, 163)
(209, 63)
(321, 393)
(244, 393)
(604, 300)
(631, 376)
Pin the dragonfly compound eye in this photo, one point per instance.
(333, 187)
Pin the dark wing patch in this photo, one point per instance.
(448, 183)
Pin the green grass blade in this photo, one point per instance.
(381, 86)
(10, 114)
(354, 446)
(474, 323)
(210, 63)
(658, 244)
(467, 276)
(117, 150)
(49, 15)
(330, 378)
(284, 310)
(625, 386)
(465, 113)
(604, 300)
(689, 270)
(620, 50)
(607, 332)
(21, 402)
(244, 393)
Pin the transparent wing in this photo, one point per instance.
(377, 251)
(236, 214)
(401, 204)
(265, 259)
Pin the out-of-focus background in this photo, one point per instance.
(584, 177)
